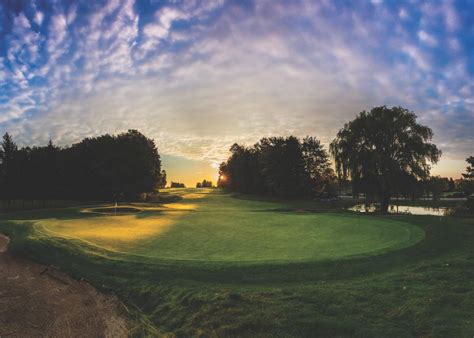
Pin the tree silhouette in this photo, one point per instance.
(437, 185)
(103, 167)
(204, 184)
(162, 183)
(127, 164)
(383, 150)
(451, 185)
(467, 183)
(8, 168)
(469, 175)
(282, 166)
(278, 166)
(319, 174)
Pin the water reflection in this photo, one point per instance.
(404, 209)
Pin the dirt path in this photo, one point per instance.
(39, 301)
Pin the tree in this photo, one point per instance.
(437, 185)
(318, 172)
(204, 184)
(103, 167)
(467, 183)
(242, 170)
(279, 166)
(41, 172)
(162, 181)
(8, 167)
(451, 185)
(282, 166)
(177, 185)
(383, 150)
(223, 180)
(469, 175)
(107, 166)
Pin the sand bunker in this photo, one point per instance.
(41, 301)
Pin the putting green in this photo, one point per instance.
(212, 226)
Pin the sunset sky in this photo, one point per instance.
(197, 76)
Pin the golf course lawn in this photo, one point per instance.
(211, 263)
(238, 234)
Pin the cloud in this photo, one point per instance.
(450, 16)
(417, 55)
(39, 16)
(200, 75)
(57, 43)
(403, 14)
(427, 38)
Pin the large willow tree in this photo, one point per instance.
(384, 152)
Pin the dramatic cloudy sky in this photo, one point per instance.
(199, 75)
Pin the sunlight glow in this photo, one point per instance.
(110, 232)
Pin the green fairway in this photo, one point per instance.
(212, 226)
(215, 264)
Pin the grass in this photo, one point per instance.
(214, 227)
(225, 266)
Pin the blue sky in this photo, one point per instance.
(199, 75)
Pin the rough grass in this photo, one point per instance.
(422, 290)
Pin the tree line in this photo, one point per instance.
(204, 184)
(107, 167)
(382, 153)
(285, 167)
(177, 185)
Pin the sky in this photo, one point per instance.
(197, 76)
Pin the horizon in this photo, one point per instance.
(195, 171)
(199, 76)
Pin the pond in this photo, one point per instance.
(405, 209)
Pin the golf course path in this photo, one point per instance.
(36, 300)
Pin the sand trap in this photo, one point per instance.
(41, 301)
